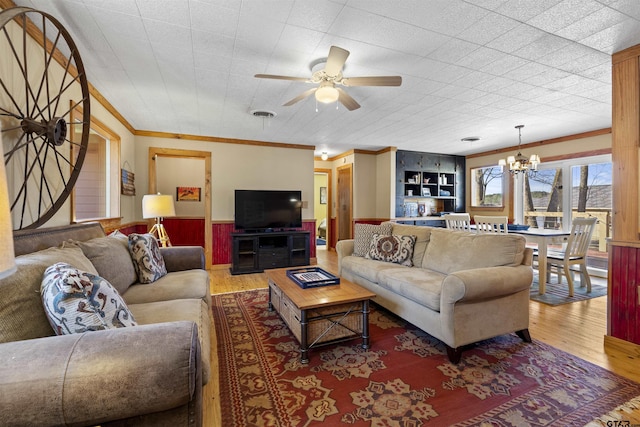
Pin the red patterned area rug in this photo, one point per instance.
(404, 379)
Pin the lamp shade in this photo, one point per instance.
(157, 206)
(7, 254)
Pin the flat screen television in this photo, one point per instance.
(267, 210)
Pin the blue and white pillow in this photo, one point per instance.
(147, 258)
(76, 301)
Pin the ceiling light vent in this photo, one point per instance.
(470, 139)
(263, 114)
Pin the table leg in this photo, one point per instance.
(365, 324)
(542, 266)
(304, 347)
(270, 303)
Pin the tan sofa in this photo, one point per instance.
(462, 287)
(150, 374)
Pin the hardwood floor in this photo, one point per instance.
(577, 328)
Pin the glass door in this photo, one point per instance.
(563, 190)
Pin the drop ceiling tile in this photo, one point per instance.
(504, 65)
(480, 58)
(487, 28)
(220, 20)
(118, 24)
(453, 51)
(591, 24)
(523, 10)
(167, 11)
(542, 46)
(318, 15)
(169, 35)
(564, 14)
(516, 38)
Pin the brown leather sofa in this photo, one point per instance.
(149, 375)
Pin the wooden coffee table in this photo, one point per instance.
(323, 315)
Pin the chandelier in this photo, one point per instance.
(519, 163)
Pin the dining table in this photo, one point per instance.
(543, 237)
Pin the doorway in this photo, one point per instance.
(154, 153)
(322, 207)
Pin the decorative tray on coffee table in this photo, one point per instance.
(312, 277)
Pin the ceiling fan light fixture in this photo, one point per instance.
(327, 94)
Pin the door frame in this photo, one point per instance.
(348, 166)
(155, 152)
(329, 203)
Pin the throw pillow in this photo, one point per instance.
(110, 255)
(363, 234)
(147, 259)
(396, 249)
(76, 301)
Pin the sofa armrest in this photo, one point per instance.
(96, 377)
(180, 258)
(484, 283)
(343, 248)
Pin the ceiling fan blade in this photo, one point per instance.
(300, 97)
(335, 61)
(276, 77)
(346, 100)
(373, 81)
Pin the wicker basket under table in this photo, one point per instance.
(320, 316)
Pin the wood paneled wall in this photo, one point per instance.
(624, 252)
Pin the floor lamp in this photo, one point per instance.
(158, 206)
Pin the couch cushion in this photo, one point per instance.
(366, 268)
(194, 310)
(111, 258)
(76, 301)
(422, 234)
(147, 260)
(363, 234)
(451, 251)
(21, 313)
(417, 284)
(396, 249)
(176, 285)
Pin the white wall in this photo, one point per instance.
(172, 172)
(236, 166)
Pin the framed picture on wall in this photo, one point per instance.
(323, 195)
(127, 183)
(188, 194)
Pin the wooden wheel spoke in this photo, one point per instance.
(17, 146)
(43, 160)
(44, 81)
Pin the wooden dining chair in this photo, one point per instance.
(458, 221)
(491, 224)
(574, 254)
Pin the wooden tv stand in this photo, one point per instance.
(256, 252)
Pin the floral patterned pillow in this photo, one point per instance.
(147, 258)
(393, 248)
(76, 301)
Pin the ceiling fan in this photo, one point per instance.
(330, 76)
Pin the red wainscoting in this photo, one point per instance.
(221, 235)
(185, 231)
(133, 228)
(624, 307)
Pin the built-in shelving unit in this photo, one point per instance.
(434, 181)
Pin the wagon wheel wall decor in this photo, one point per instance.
(41, 80)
